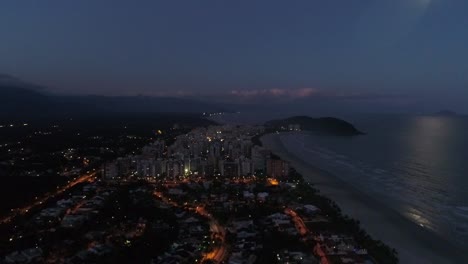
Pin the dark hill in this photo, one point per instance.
(24, 101)
(324, 125)
(140, 104)
(445, 113)
(18, 101)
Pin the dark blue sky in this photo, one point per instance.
(395, 48)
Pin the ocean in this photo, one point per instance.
(416, 165)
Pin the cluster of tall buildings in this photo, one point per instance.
(217, 151)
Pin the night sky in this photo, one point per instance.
(388, 48)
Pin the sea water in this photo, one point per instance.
(417, 165)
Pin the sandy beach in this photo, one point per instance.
(413, 243)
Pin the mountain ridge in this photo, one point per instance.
(23, 100)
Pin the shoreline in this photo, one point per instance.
(413, 243)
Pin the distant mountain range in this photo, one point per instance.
(445, 113)
(22, 100)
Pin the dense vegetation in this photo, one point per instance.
(306, 193)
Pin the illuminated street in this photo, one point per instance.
(212, 196)
(38, 202)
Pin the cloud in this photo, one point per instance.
(276, 92)
(423, 3)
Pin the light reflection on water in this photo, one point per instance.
(419, 219)
(416, 164)
(429, 139)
